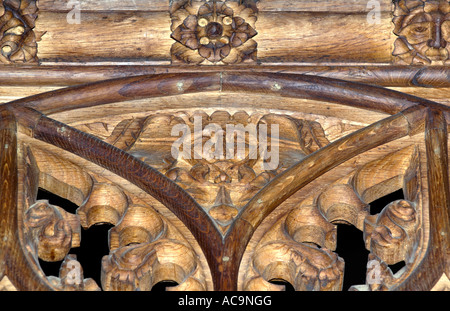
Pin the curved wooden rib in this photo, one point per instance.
(224, 255)
(311, 168)
(387, 76)
(288, 85)
(134, 170)
(436, 261)
(12, 255)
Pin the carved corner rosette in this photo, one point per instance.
(213, 32)
(18, 39)
(423, 30)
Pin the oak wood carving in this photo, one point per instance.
(213, 31)
(18, 40)
(144, 243)
(423, 28)
(224, 144)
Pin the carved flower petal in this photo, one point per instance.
(431, 6)
(178, 18)
(191, 22)
(444, 6)
(214, 54)
(398, 22)
(205, 9)
(184, 54)
(185, 33)
(194, 6)
(238, 38)
(413, 4)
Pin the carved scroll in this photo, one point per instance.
(54, 230)
(213, 32)
(296, 250)
(423, 30)
(18, 40)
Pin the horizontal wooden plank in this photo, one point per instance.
(144, 38)
(104, 5)
(388, 76)
(103, 37)
(10, 93)
(351, 6)
(323, 38)
(232, 102)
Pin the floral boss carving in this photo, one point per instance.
(423, 30)
(213, 32)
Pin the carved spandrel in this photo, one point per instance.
(423, 30)
(222, 160)
(6, 285)
(391, 236)
(138, 231)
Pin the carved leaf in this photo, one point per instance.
(140, 266)
(53, 230)
(392, 234)
(71, 277)
(17, 38)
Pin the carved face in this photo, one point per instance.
(424, 32)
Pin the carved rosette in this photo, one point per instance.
(18, 43)
(423, 30)
(213, 32)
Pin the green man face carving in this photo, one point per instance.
(423, 28)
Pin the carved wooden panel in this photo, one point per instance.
(224, 145)
(195, 220)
